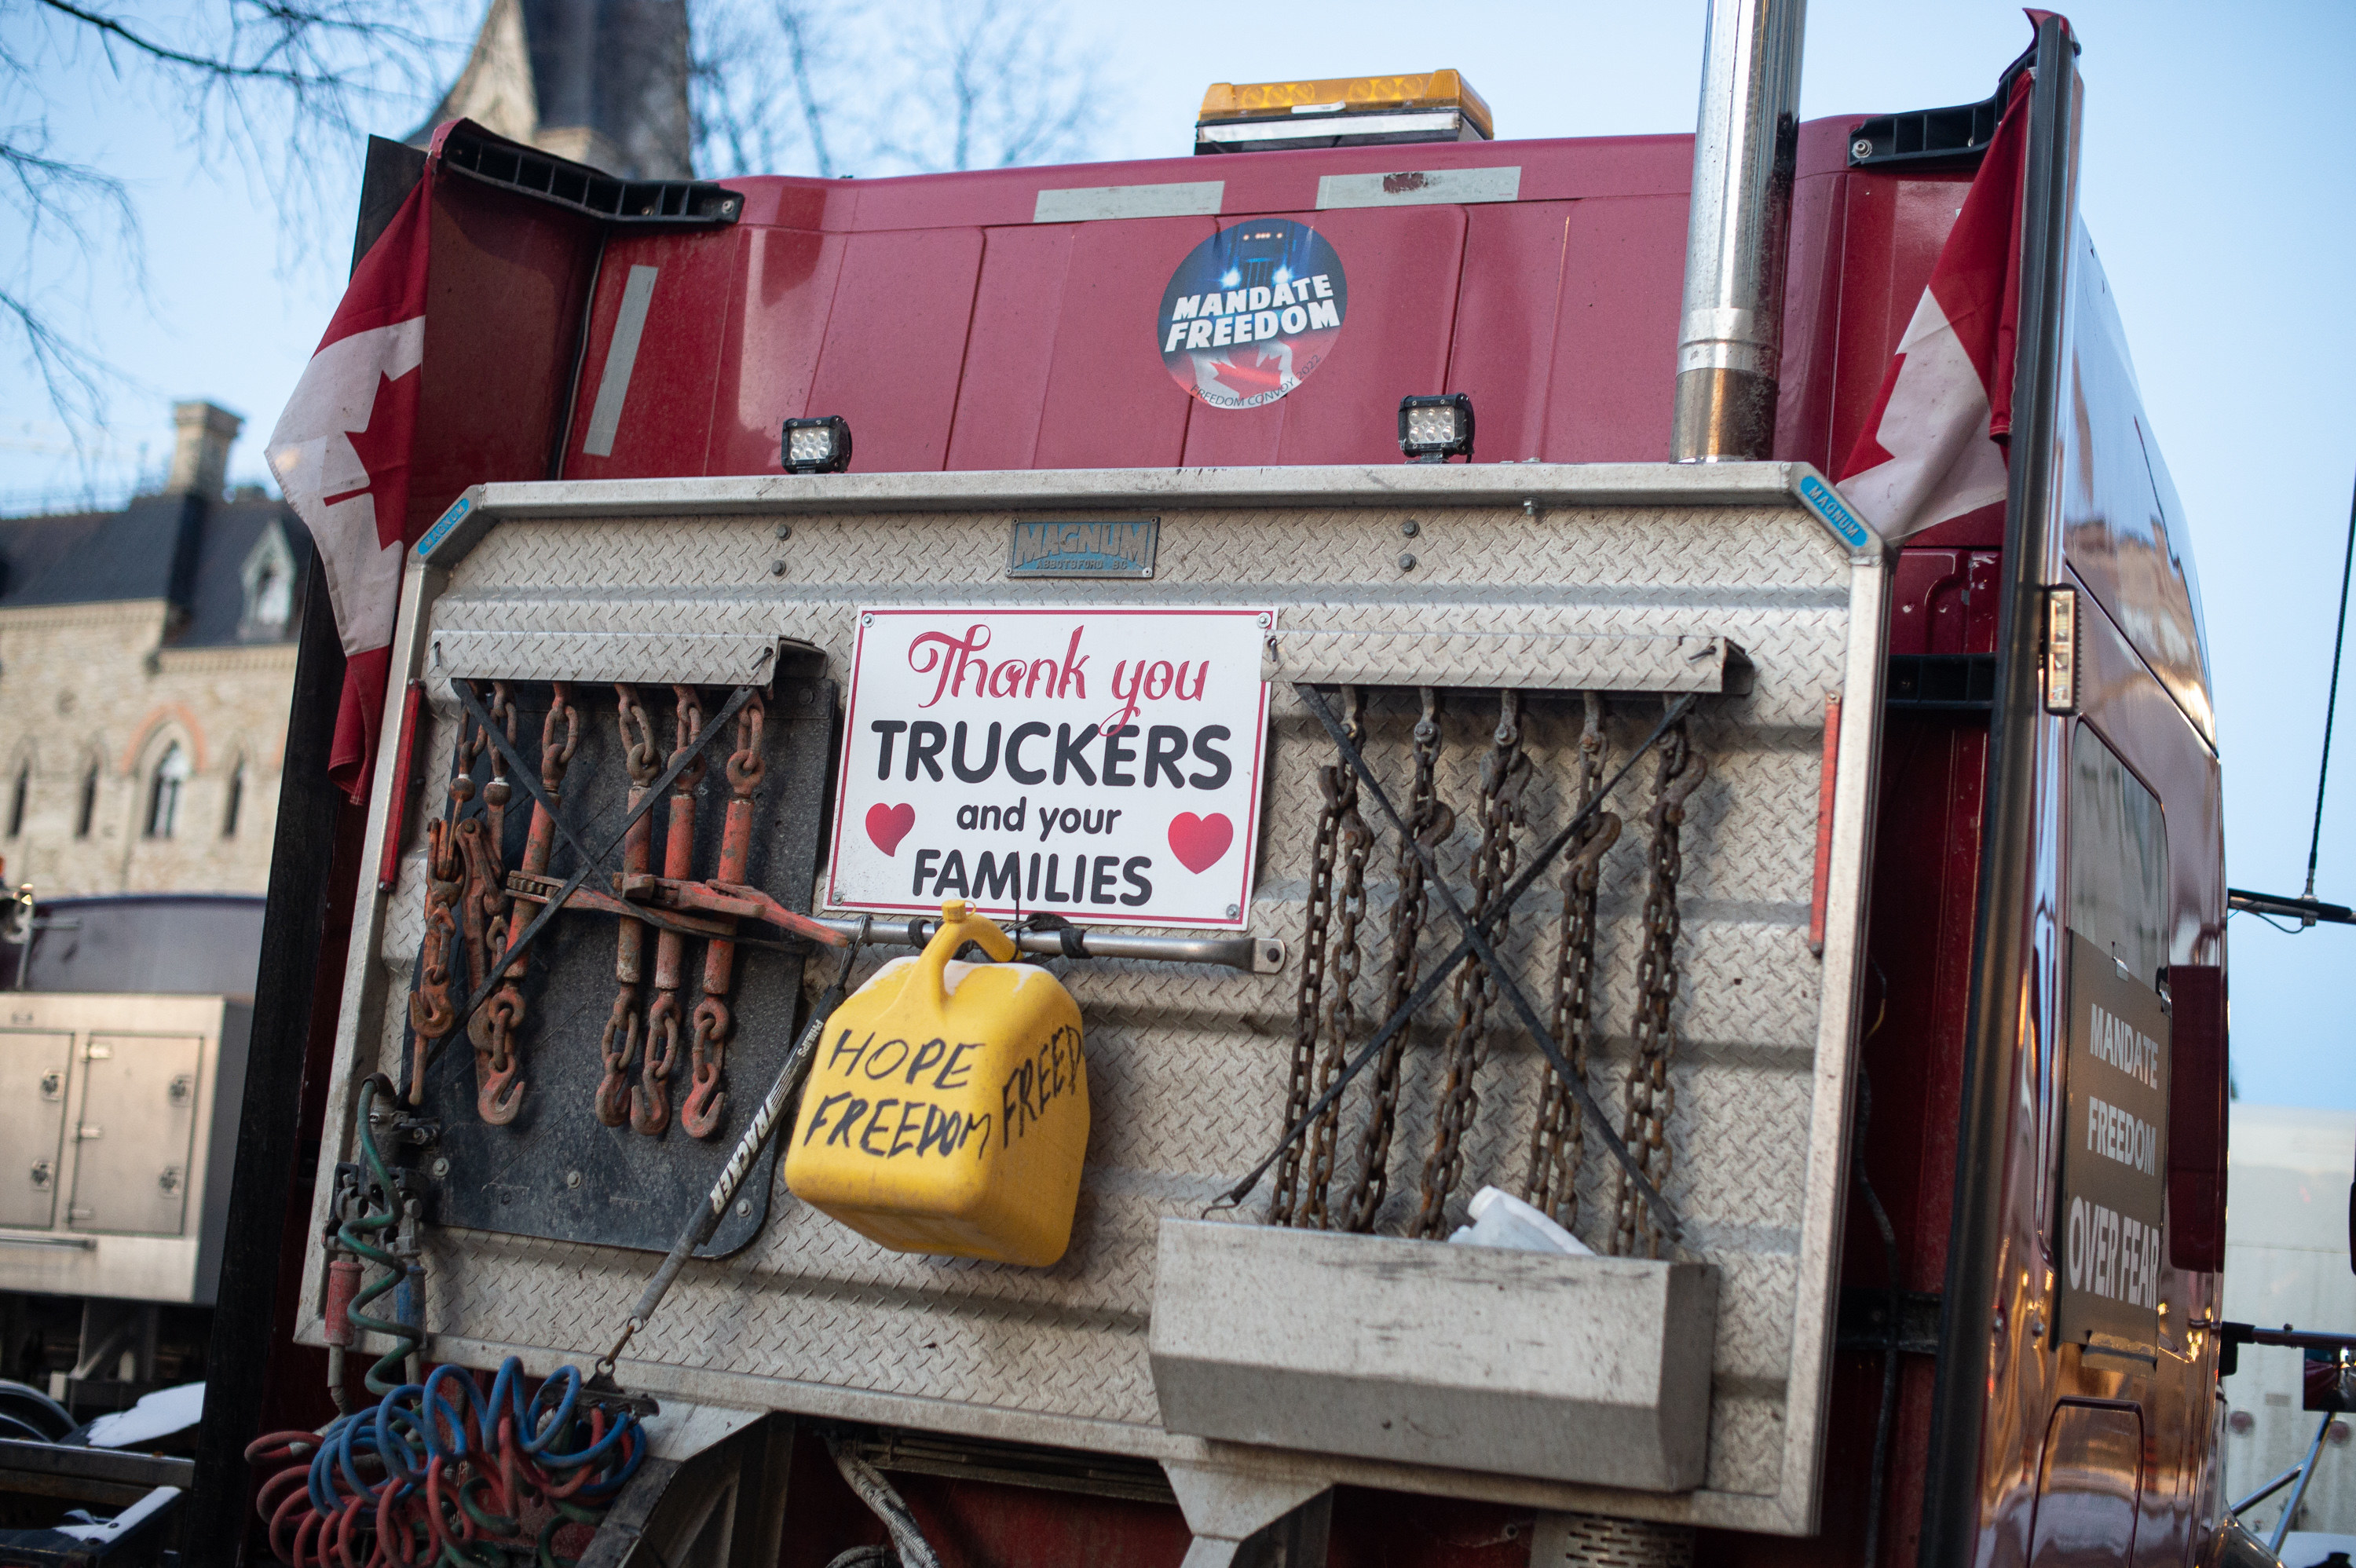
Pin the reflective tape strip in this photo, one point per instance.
(1087, 204)
(1421, 187)
(621, 355)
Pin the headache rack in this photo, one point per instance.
(1626, 716)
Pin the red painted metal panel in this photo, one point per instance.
(779, 298)
(1809, 371)
(1893, 229)
(1616, 339)
(896, 343)
(1061, 368)
(786, 202)
(1944, 602)
(1110, 403)
(666, 415)
(1403, 266)
(1505, 313)
(1255, 184)
(506, 283)
(1008, 347)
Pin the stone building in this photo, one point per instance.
(603, 82)
(146, 660)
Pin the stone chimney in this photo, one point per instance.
(201, 437)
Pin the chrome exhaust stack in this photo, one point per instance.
(1745, 145)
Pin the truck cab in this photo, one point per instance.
(1822, 926)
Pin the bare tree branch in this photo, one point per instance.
(806, 41)
(866, 89)
(276, 90)
(109, 27)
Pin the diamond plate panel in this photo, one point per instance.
(586, 653)
(1521, 661)
(1187, 1064)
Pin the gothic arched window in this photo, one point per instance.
(236, 801)
(164, 788)
(86, 806)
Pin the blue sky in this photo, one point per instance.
(2215, 180)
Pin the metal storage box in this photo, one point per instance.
(1522, 1363)
(111, 1107)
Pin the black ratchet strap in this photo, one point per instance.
(1476, 943)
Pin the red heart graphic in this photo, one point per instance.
(1199, 841)
(887, 825)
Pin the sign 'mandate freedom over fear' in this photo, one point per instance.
(1102, 764)
(1251, 311)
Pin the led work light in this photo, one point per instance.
(818, 446)
(1435, 429)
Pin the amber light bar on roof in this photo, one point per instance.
(1341, 111)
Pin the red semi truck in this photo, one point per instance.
(1879, 1048)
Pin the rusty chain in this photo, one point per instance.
(1505, 773)
(432, 1007)
(1337, 1011)
(619, 1045)
(650, 1097)
(1650, 1098)
(707, 1103)
(1558, 1138)
(1430, 821)
(498, 1068)
(483, 900)
(1317, 915)
(492, 1028)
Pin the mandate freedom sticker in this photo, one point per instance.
(2114, 1153)
(1102, 764)
(1251, 311)
(1084, 549)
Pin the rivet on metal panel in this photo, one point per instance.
(571, 1179)
(776, 569)
(1264, 622)
(1407, 560)
(441, 1167)
(1410, 527)
(1860, 148)
(1234, 911)
(744, 1206)
(785, 530)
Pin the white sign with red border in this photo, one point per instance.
(1099, 763)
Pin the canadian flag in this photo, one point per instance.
(341, 454)
(1934, 447)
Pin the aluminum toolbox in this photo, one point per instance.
(1750, 582)
(112, 1108)
(1521, 1363)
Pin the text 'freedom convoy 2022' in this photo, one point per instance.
(1185, 957)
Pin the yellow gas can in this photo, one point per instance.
(948, 1108)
